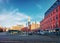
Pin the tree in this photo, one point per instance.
(1, 29)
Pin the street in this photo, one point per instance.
(29, 39)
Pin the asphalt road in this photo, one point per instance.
(28, 39)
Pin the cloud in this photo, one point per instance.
(40, 15)
(39, 6)
(10, 18)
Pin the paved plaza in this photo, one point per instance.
(29, 39)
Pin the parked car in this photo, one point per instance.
(40, 33)
(30, 33)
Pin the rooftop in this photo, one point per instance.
(52, 7)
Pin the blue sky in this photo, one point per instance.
(13, 12)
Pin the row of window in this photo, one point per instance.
(54, 25)
(50, 27)
(54, 18)
(55, 11)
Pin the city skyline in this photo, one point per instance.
(13, 12)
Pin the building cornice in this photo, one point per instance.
(57, 3)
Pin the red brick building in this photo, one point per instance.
(25, 29)
(51, 19)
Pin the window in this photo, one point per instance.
(59, 22)
(50, 19)
(56, 24)
(51, 14)
(56, 17)
(59, 15)
(56, 9)
(51, 26)
(53, 18)
(59, 7)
